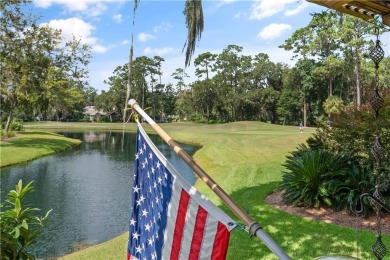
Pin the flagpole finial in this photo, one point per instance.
(132, 102)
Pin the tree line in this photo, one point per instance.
(45, 78)
(40, 74)
(333, 70)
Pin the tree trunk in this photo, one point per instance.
(129, 79)
(330, 87)
(357, 75)
(304, 112)
(9, 120)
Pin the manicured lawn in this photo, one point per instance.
(246, 159)
(29, 145)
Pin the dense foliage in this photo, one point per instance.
(20, 225)
(44, 78)
(337, 166)
(41, 75)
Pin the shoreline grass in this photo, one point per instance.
(245, 159)
(30, 145)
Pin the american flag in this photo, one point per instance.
(169, 218)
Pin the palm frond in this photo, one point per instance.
(194, 21)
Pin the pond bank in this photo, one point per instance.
(30, 145)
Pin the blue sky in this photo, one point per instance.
(257, 26)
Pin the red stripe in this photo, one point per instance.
(221, 242)
(179, 226)
(128, 256)
(197, 236)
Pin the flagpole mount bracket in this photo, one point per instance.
(253, 228)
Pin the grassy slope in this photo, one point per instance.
(29, 145)
(245, 158)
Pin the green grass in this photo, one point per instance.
(29, 145)
(245, 159)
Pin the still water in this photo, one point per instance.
(88, 187)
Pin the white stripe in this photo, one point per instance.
(188, 229)
(173, 207)
(208, 238)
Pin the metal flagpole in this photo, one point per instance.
(254, 228)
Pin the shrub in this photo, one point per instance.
(15, 126)
(351, 136)
(20, 227)
(306, 179)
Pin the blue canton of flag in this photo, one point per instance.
(169, 218)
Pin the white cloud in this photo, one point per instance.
(297, 10)
(125, 42)
(88, 7)
(144, 37)
(273, 31)
(225, 2)
(99, 48)
(80, 29)
(163, 26)
(157, 51)
(267, 8)
(117, 18)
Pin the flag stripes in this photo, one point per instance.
(169, 218)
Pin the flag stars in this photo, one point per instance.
(135, 235)
(159, 180)
(141, 152)
(138, 249)
(154, 184)
(151, 241)
(136, 156)
(158, 165)
(147, 227)
(140, 200)
(132, 222)
(152, 169)
(144, 147)
(145, 213)
(165, 175)
(150, 156)
(136, 189)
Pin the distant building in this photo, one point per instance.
(93, 113)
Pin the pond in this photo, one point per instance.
(88, 187)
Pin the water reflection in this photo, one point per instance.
(88, 188)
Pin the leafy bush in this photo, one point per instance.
(307, 178)
(350, 136)
(20, 227)
(15, 126)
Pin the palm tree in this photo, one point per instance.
(194, 22)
